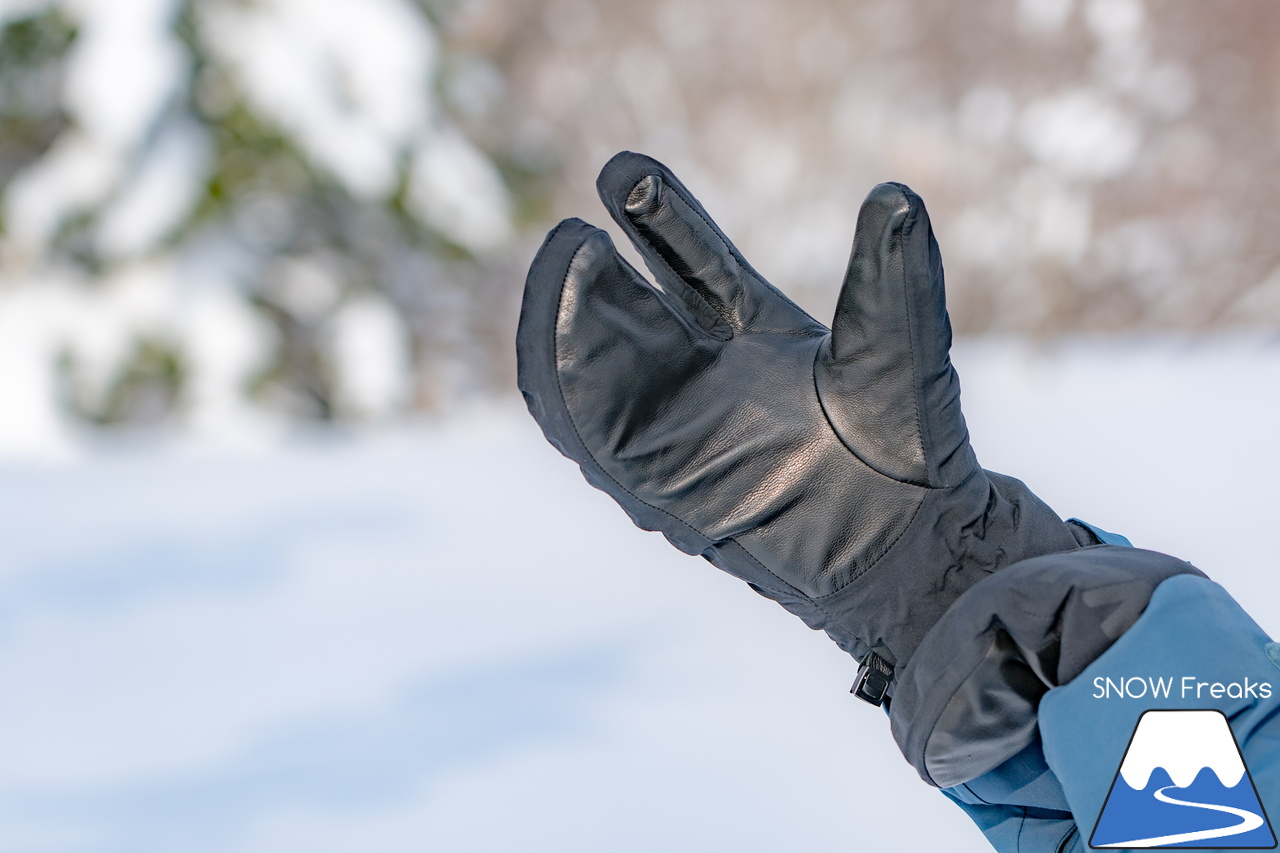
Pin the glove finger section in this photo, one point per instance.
(688, 253)
(535, 335)
(583, 307)
(596, 347)
(887, 380)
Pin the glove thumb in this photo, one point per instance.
(885, 375)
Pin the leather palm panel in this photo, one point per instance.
(726, 435)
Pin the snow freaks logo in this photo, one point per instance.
(1183, 782)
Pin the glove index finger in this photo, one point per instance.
(690, 256)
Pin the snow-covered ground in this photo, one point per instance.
(441, 639)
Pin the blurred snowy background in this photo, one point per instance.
(283, 566)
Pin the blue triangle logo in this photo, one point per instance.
(1183, 783)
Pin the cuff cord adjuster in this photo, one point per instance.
(874, 677)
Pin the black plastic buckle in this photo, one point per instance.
(874, 677)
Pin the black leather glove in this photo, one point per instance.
(830, 469)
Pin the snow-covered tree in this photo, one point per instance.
(214, 210)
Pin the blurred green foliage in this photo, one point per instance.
(31, 117)
(265, 201)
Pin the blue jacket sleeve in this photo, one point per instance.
(1020, 806)
(1193, 649)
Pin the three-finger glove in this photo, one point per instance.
(828, 468)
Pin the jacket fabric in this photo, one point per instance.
(1201, 651)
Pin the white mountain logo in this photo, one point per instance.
(1183, 782)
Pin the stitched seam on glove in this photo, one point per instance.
(876, 562)
(920, 436)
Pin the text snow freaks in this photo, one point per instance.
(1186, 687)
